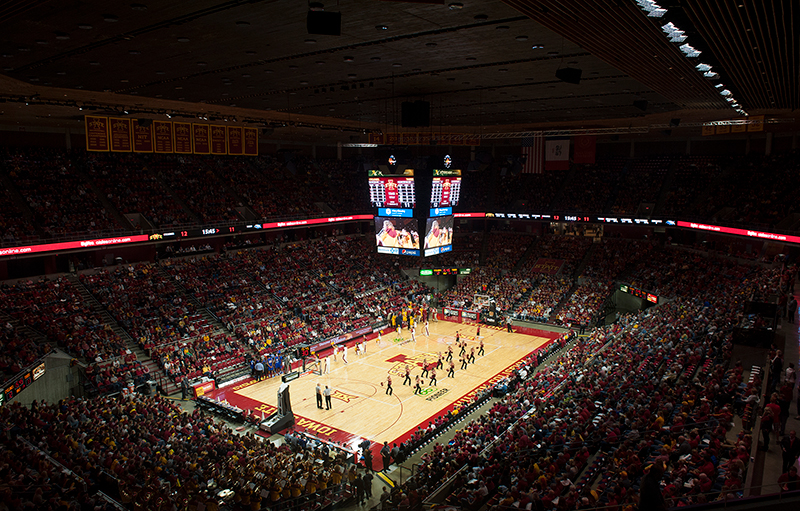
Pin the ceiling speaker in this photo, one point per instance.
(569, 75)
(324, 23)
(641, 104)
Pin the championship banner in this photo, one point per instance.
(218, 136)
(409, 138)
(235, 140)
(163, 136)
(473, 140)
(424, 138)
(708, 130)
(96, 133)
(183, 137)
(376, 138)
(392, 138)
(441, 138)
(142, 136)
(739, 128)
(756, 123)
(251, 141)
(556, 154)
(547, 266)
(723, 129)
(120, 135)
(200, 139)
(585, 149)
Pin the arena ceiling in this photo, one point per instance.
(481, 64)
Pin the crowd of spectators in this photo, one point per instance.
(193, 180)
(690, 182)
(128, 183)
(656, 387)
(641, 182)
(466, 251)
(505, 249)
(57, 192)
(17, 351)
(148, 452)
(14, 224)
(55, 308)
(590, 187)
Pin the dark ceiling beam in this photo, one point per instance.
(620, 34)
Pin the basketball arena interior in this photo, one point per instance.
(399, 255)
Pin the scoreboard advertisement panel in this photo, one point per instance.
(445, 188)
(397, 235)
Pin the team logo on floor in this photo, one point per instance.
(338, 394)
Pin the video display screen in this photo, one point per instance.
(438, 235)
(445, 191)
(392, 190)
(397, 235)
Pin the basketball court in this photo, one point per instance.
(361, 408)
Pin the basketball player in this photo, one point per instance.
(451, 373)
(433, 378)
(414, 334)
(328, 364)
(418, 386)
(344, 354)
(480, 351)
(408, 375)
(449, 353)
(427, 332)
(364, 344)
(378, 341)
(425, 366)
(439, 364)
(389, 390)
(478, 334)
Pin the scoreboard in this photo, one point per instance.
(392, 192)
(445, 191)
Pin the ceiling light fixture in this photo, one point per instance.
(690, 51)
(652, 9)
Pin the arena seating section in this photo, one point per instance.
(606, 405)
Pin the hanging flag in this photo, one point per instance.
(585, 149)
(557, 154)
(533, 151)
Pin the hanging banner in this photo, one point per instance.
(392, 138)
(424, 138)
(120, 135)
(556, 154)
(235, 140)
(585, 149)
(376, 138)
(218, 136)
(200, 139)
(739, 128)
(96, 133)
(723, 129)
(473, 140)
(409, 138)
(708, 130)
(142, 136)
(251, 141)
(163, 136)
(183, 137)
(756, 123)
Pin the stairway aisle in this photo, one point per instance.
(156, 373)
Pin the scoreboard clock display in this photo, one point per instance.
(445, 187)
(444, 271)
(22, 382)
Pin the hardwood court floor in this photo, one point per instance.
(360, 406)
